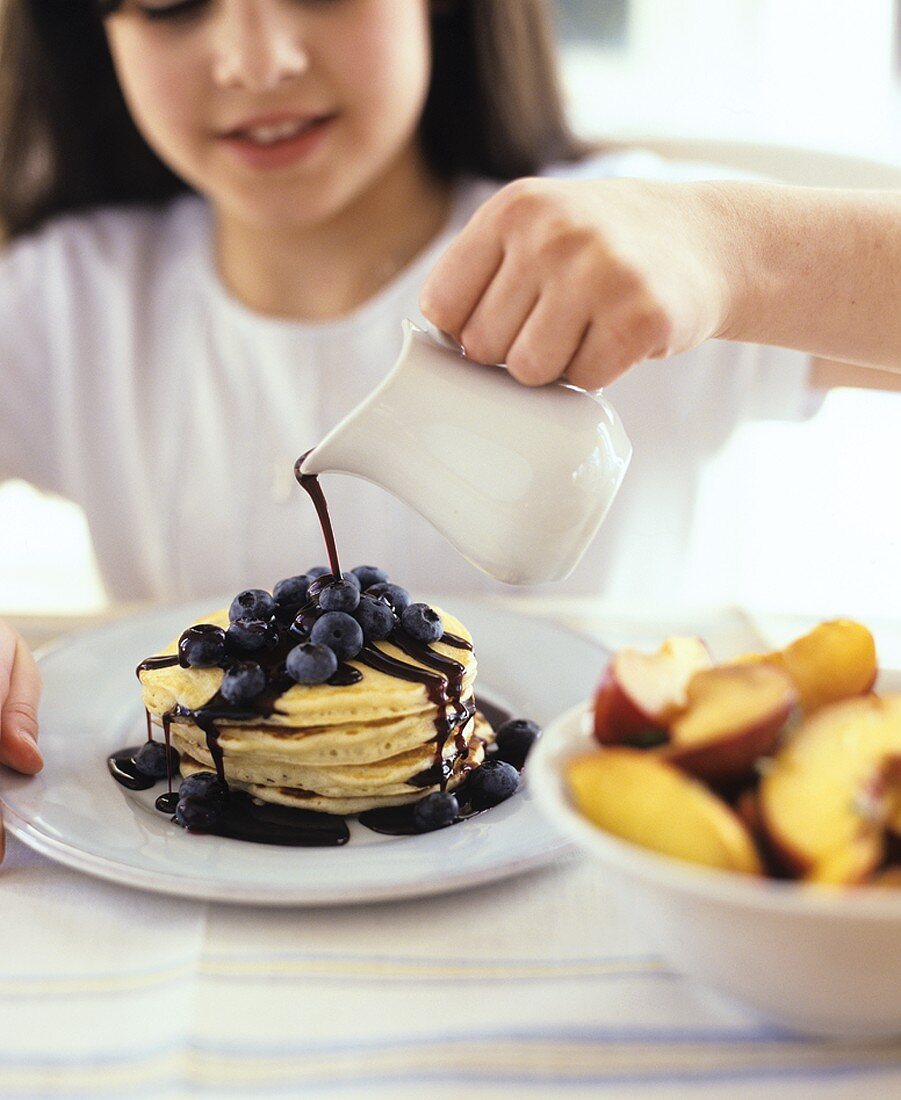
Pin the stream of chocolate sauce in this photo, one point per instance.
(245, 819)
(310, 484)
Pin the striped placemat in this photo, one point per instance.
(528, 987)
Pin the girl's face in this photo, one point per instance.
(282, 112)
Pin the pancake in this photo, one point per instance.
(303, 798)
(334, 747)
(395, 771)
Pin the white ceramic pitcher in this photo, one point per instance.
(518, 479)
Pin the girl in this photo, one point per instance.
(219, 212)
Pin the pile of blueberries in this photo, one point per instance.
(333, 618)
(493, 782)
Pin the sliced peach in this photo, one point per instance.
(827, 801)
(734, 715)
(851, 864)
(641, 692)
(836, 660)
(641, 798)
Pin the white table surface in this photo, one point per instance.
(530, 987)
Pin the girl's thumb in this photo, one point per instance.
(19, 716)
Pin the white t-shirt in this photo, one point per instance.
(134, 385)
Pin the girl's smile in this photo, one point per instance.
(279, 140)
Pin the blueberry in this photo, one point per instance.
(340, 632)
(397, 597)
(436, 810)
(317, 571)
(243, 682)
(368, 575)
(204, 787)
(247, 635)
(376, 617)
(422, 622)
(203, 645)
(340, 596)
(514, 740)
(150, 759)
(253, 603)
(292, 591)
(491, 783)
(309, 663)
(327, 580)
(195, 813)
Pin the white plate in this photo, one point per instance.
(74, 812)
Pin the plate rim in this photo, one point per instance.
(220, 891)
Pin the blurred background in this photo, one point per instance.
(815, 74)
(794, 517)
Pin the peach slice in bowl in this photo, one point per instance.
(814, 957)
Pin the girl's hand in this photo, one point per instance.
(20, 690)
(583, 278)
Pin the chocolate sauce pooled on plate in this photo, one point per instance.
(167, 802)
(269, 823)
(122, 768)
(399, 821)
(244, 818)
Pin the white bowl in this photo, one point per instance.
(818, 960)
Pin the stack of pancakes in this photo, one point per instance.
(333, 749)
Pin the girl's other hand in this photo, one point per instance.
(20, 690)
(583, 278)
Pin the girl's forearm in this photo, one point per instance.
(813, 269)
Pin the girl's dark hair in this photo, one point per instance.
(68, 142)
(495, 106)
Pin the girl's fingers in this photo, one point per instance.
(459, 279)
(619, 339)
(602, 356)
(20, 690)
(548, 340)
(499, 315)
